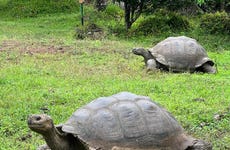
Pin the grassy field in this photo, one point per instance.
(44, 69)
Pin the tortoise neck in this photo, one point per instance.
(147, 55)
(56, 141)
(63, 141)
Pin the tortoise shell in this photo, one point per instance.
(125, 120)
(180, 54)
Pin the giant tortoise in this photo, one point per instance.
(177, 54)
(123, 121)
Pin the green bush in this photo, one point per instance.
(153, 24)
(184, 6)
(113, 12)
(178, 22)
(115, 15)
(162, 21)
(117, 29)
(89, 30)
(216, 23)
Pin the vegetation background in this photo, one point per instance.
(50, 63)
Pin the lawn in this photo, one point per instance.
(44, 69)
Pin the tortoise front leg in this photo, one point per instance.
(208, 68)
(43, 147)
(151, 65)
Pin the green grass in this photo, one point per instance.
(62, 82)
(34, 8)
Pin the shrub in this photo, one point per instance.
(115, 15)
(152, 24)
(178, 22)
(113, 12)
(216, 5)
(162, 21)
(89, 30)
(186, 7)
(216, 23)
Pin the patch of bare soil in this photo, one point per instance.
(32, 47)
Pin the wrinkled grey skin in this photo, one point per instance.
(150, 127)
(149, 60)
(199, 145)
(177, 54)
(54, 137)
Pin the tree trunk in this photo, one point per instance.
(127, 15)
(222, 5)
(133, 10)
(100, 4)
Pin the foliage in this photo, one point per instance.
(89, 30)
(200, 2)
(216, 5)
(162, 21)
(218, 22)
(113, 11)
(116, 16)
(134, 8)
(97, 23)
(100, 5)
(172, 5)
(132, 11)
(189, 7)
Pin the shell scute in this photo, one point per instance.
(105, 126)
(126, 96)
(101, 102)
(76, 123)
(130, 118)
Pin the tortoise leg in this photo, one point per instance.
(208, 68)
(43, 147)
(151, 65)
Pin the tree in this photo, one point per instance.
(133, 9)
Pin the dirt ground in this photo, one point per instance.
(31, 47)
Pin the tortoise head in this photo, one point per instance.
(40, 123)
(200, 145)
(142, 52)
(139, 51)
